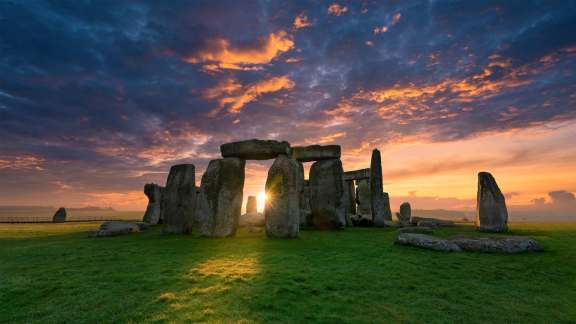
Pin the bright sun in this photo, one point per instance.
(261, 201)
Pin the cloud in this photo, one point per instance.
(336, 9)
(221, 54)
(233, 96)
(383, 29)
(301, 21)
(562, 197)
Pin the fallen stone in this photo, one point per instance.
(220, 200)
(282, 210)
(427, 242)
(432, 222)
(327, 195)
(491, 212)
(255, 149)
(60, 215)
(357, 174)
(114, 228)
(179, 200)
(252, 219)
(153, 210)
(316, 152)
(251, 205)
(510, 244)
(416, 229)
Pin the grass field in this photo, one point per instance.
(55, 273)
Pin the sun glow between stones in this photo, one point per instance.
(261, 201)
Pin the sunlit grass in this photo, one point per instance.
(55, 273)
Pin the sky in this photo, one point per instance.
(98, 98)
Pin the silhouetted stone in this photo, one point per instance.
(363, 198)
(405, 214)
(59, 216)
(327, 194)
(511, 244)
(357, 174)
(179, 200)
(153, 210)
(491, 212)
(255, 149)
(377, 199)
(350, 200)
(426, 242)
(361, 221)
(220, 201)
(316, 152)
(114, 228)
(251, 205)
(282, 210)
(387, 209)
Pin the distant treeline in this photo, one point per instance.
(40, 214)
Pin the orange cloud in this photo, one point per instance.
(220, 53)
(233, 96)
(326, 139)
(386, 28)
(301, 21)
(24, 162)
(337, 10)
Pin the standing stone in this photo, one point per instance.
(305, 212)
(377, 205)
(491, 212)
(179, 200)
(387, 209)
(154, 194)
(405, 214)
(251, 205)
(282, 210)
(220, 200)
(59, 216)
(363, 198)
(351, 192)
(327, 194)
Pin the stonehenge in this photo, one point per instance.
(379, 205)
(255, 149)
(220, 198)
(405, 214)
(153, 209)
(491, 212)
(179, 200)
(282, 210)
(59, 216)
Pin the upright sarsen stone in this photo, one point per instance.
(220, 200)
(179, 200)
(251, 205)
(282, 210)
(405, 213)
(60, 215)
(351, 195)
(377, 199)
(153, 210)
(363, 198)
(491, 212)
(327, 194)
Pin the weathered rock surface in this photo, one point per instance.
(510, 244)
(220, 200)
(380, 212)
(255, 149)
(252, 219)
(427, 242)
(305, 211)
(361, 221)
(60, 215)
(416, 229)
(350, 190)
(363, 198)
(405, 213)
(153, 210)
(251, 205)
(114, 228)
(179, 200)
(430, 222)
(282, 210)
(491, 212)
(357, 174)
(316, 152)
(327, 194)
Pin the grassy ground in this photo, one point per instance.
(55, 273)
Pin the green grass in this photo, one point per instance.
(55, 273)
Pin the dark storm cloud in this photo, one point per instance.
(139, 85)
